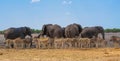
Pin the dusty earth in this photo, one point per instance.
(93, 54)
(75, 54)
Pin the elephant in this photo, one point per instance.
(52, 31)
(73, 30)
(89, 32)
(13, 33)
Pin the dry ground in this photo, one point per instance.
(93, 54)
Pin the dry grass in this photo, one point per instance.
(101, 54)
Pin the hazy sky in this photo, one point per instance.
(35, 13)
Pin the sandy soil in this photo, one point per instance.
(93, 54)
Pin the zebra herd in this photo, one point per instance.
(57, 43)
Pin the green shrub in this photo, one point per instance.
(112, 30)
(36, 31)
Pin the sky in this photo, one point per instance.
(36, 13)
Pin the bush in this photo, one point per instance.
(36, 31)
(112, 30)
(1, 32)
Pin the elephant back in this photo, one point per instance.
(72, 30)
(79, 27)
(12, 33)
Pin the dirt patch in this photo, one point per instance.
(92, 54)
(60, 54)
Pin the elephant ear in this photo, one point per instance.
(28, 30)
(79, 27)
(44, 29)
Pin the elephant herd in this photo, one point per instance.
(71, 31)
(55, 36)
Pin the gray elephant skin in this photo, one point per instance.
(89, 32)
(13, 33)
(52, 31)
(73, 30)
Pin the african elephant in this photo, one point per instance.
(13, 33)
(89, 32)
(73, 30)
(52, 31)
